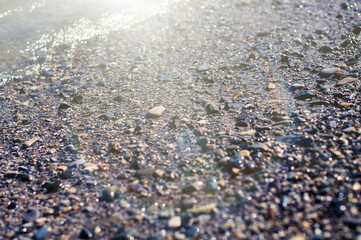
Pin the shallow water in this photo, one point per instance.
(31, 31)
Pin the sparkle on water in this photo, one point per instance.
(31, 30)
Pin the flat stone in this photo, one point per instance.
(77, 163)
(305, 95)
(30, 142)
(320, 103)
(156, 112)
(345, 81)
(349, 130)
(297, 86)
(249, 133)
(144, 172)
(326, 72)
(204, 67)
(175, 222)
(259, 146)
(203, 209)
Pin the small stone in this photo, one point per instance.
(212, 108)
(297, 86)
(271, 86)
(346, 104)
(71, 190)
(30, 142)
(326, 72)
(305, 95)
(41, 233)
(325, 49)
(25, 177)
(77, 163)
(356, 187)
(77, 99)
(236, 95)
(40, 221)
(345, 81)
(356, 30)
(174, 222)
(85, 234)
(245, 153)
(64, 106)
(10, 174)
(158, 173)
(204, 67)
(203, 209)
(319, 103)
(31, 215)
(210, 147)
(259, 146)
(122, 236)
(299, 237)
(118, 99)
(248, 133)
(62, 168)
(156, 112)
(144, 172)
(349, 130)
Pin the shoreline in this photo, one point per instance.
(258, 137)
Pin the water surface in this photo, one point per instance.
(31, 31)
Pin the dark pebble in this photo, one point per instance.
(356, 30)
(305, 95)
(12, 205)
(122, 236)
(118, 99)
(64, 106)
(85, 234)
(325, 49)
(108, 195)
(303, 141)
(190, 232)
(52, 187)
(77, 99)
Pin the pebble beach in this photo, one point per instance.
(219, 119)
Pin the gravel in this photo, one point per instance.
(218, 120)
